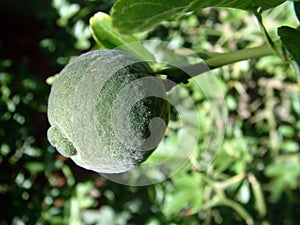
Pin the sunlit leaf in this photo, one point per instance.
(244, 193)
(107, 37)
(290, 146)
(131, 16)
(105, 215)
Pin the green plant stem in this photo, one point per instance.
(182, 74)
(248, 53)
(239, 209)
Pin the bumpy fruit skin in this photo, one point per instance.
(94, 119)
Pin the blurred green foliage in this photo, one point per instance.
(253, 180)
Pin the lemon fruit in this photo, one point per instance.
(106, 111)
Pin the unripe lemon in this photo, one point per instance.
(107, 113)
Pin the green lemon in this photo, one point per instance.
(107, 113)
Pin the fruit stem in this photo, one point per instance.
(182, 74)
(244, 54)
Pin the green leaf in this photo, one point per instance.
(290, 146)
(286, 131)
(131, 16)
(187, 194)
(267, 4)
(35, 167)
(297, 9)
(107, 37)
(290, 38)
(105, 215)
(243, 193)
(104, 34)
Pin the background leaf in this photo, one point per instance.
(131, 16)
(186, 194)
(290, 38)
